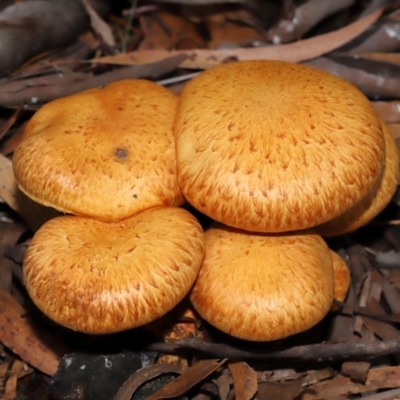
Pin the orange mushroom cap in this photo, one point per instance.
(375, 201)
(271, 146)
(98, 277)
(263, 287)
(106, 153)
(341, 273)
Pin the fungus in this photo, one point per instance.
(107, 153)
(263, 287)
(271, 146)
(98, 277)
(375, 201)
(341, 273)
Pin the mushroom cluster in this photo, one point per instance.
(128, 254)
(277, 154)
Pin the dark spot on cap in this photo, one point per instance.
(121, 153)
(135, 196)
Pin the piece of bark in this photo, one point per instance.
(38, 26)
(357, 371)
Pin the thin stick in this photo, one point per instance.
(324, 351)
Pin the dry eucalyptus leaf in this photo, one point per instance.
(141, 376)
(224, 382)
(295, 52)
(99, 25)
(380, 328)
(305, 17)
(244, 380)
(280, 390)
(191, 377)
(26, 338)
(39, 90)
(10, 392)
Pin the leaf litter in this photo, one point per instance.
(355, 350)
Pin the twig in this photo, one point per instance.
(325, 351)
(177, 79)
(6, 127)
(30, 93)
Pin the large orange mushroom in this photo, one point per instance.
(271, 146)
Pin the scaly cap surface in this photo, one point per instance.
(263, 287)
(270, 146)
(98, 277)
(106, 153)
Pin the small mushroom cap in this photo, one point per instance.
(341, 273)
(270, 146)
(98, 277)
(106, 152)
(263, 287)
(375, 201)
